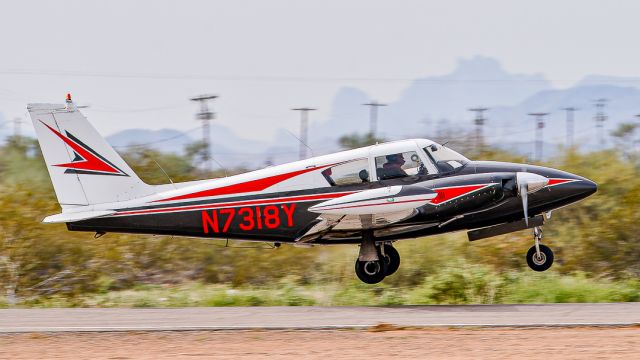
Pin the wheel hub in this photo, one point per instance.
(371, 267)
(539, 259)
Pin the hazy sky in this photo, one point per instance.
(137, 62)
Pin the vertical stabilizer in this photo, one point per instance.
(84, 168)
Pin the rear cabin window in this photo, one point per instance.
(352, 172)
(399, 165)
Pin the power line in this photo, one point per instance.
(135, 110)
(539, 117)
(304, 129)
(205, 115)
(157, 141)
(373, 116)
(179, 76)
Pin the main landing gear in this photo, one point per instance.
(376, 261)
(374, 271)
(539, 257)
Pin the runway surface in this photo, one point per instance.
(242, 318)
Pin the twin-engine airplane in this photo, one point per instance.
(371, 196)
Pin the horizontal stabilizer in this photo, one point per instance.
(76, 216)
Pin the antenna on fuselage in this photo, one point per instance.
(226, 174)
(444, 144)
(301, 142)
(165, 173)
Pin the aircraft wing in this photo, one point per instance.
(375, 209)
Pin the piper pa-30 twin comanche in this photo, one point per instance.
(372, 196)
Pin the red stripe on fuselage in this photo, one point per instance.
(237, 203)
(245, 187)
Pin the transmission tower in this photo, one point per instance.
(479, 121)
(206, 116)
(570, 124)
(600, 119)
(304, 130)
(373, 116)
(539, 118)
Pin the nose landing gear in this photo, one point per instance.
(539, 257)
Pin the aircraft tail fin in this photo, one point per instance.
(84, 168)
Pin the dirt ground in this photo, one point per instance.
(379, 342)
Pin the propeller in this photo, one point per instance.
(528, 183)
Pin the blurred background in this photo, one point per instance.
(542, 82)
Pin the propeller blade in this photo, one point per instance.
(524, 195)
(529, 183)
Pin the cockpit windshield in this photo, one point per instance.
(445, 159)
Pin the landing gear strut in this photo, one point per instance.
(539, 257)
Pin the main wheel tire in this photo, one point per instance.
(544, 262)
(392, 259)
(371, 272)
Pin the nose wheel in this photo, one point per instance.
(539, 257)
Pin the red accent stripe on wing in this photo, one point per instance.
(245, 187)
(89, 162)
(375, 204)
(449, 193)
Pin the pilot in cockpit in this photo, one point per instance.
(393, 167)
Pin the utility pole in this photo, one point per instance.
(638, 126)
(570, 124)
(205, 115)
(373, 116)
(304, 129)
(17, 122)
(539, 117)
(479, 121)
(600, 118)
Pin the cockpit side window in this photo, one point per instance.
(399, 165)
(349, 173)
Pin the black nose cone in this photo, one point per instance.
(582, 187)
(593, 187)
